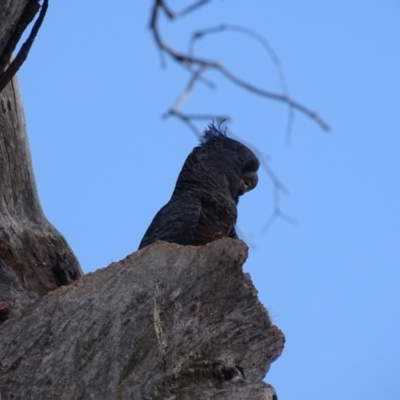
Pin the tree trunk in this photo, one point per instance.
(34, 256)
(167, 322)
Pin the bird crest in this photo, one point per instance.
(214, 133)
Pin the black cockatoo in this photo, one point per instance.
(203, 206)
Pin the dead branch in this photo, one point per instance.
(199, 66)
(167, 322)
(188, 60)
(16, 63)
(267, 47)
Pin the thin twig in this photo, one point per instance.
(187, 120)
(189, 61)
(198, 66)
(278, 186)
(277, 212)
(186, 93)
(209, 117)
(275, 96)
(269, 50)
(187, 10)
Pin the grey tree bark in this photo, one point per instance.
(167, 322)
(34, 256)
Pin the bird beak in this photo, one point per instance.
(250, 182)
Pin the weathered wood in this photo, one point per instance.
(15, 15)
(34, 256)
(167, 322)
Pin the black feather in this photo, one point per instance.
(203, 206)
(213, 134)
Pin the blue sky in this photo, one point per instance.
(105, 161)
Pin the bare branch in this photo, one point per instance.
(186, 93)
(275, 96)
(207, 117)
(187, 10)
(26, 18)
(276, 182)
(186, 119)
(189, 118)
(278, 186)
(189, 60)
(267, 47)
(277, 212)
(14, 66)
(270, 51)
(198, 67)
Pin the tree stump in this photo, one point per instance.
(167, 322)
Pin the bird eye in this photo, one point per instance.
(241, 158)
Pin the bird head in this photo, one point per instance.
(228, 161)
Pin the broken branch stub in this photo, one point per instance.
(167, 322)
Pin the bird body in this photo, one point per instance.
(203, 206)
